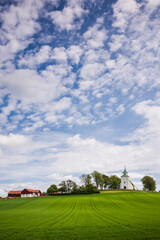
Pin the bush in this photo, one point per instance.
(53, 188)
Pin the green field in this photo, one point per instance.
(112, 215)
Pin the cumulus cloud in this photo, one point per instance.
(96, 35)
(91, 71)
(65, 19)
(150, 110)
(32, 59)
(74, 53)
(17, 27)
(13, 140)
(124, 12)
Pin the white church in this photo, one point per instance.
(125, 182)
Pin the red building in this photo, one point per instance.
(30, 193)
(25, 193)
(14, 193)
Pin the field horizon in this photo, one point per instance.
(119, 215)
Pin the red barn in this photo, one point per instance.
(14, 193)
(30, 193)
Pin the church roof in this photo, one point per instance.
(132, 183)
(125, 173)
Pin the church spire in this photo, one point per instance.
(125, 173)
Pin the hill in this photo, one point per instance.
(115, 215)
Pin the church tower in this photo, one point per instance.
(125, 182)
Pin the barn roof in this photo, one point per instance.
(32, 190)
(15, 192)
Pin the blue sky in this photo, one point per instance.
(80, 90)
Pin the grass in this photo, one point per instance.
(116, 215)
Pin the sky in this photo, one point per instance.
(79, 90)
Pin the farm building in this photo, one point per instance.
(125, 182)
(14, 193)
(30, 193)
(25, 193)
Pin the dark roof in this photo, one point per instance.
(125, 173)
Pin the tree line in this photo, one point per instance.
(100, 181)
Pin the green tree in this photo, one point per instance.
(69, 185)
(63, 187)
(90, 188)
(106, 180)
(74, 187)
(53, 188)
(101, 183)
(86, 179)
(114, 182)
(97, 176)
(82, 188)
(149, 183)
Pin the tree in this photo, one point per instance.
(107, 181)
(86, 179)
(53, 188)
(68, 186)
(71, 186)
(101, 183)
(114, 182)
(149, 183)
(74, 188)
(82, 189)
(97, 176)
(63, 187)
(90, 188)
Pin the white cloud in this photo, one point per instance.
(27, 86)
(61, 105)
(112, 100)
(123, 12)
(2, 193)
(32, 88)
(95, 36)
(120, 109)
(98, 105)
(130, 6)
(150, 110)
(153, 4)
(18, 25)
(13, 140)
(32, 59)
(56, 108)
(82, 154)
(110, 64)
(65, 18)
(92, 71)
(59, 54)
(116, 42)
(75, 52)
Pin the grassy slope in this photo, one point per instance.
(121, 216)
